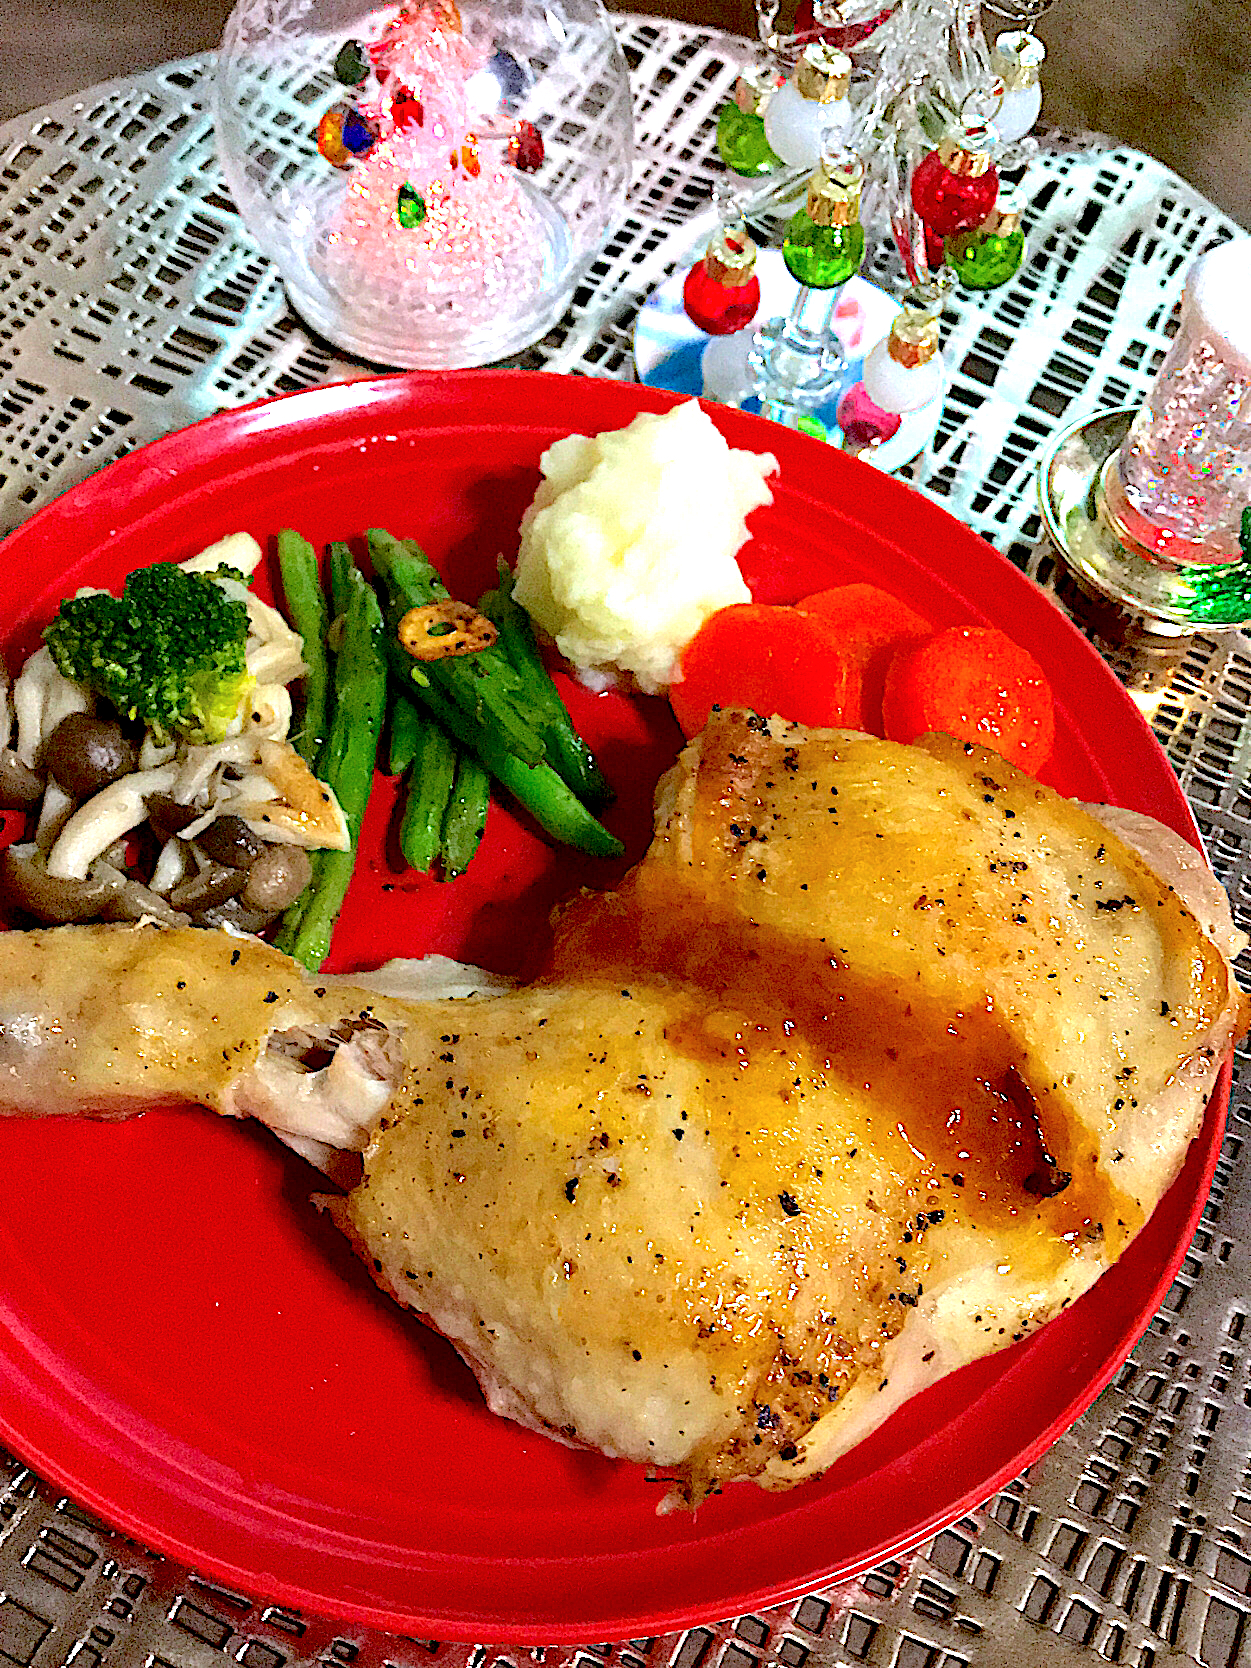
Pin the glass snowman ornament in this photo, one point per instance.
(430, 180)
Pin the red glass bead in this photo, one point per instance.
(406, 110)
(950, 202)
(720, 309)
(525, 148)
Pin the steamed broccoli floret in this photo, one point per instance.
(169, 651)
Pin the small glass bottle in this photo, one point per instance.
(741, 141)
(824, 243)
(811, 108)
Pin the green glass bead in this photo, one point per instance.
(984, 261)
(822, 256)
(410, 207)
(808, 424)
(742, 144)
(351, 65)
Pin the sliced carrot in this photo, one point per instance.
(771, 660)
(871, 625)
(976, 684)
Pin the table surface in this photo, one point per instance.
(132, 303)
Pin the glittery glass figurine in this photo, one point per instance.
(991, 253)
(741, 140)
(824, 242)
(954, 188)
(722, 292)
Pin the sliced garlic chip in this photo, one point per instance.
(306, 812)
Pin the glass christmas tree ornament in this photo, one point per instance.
(954, 188)
(863, 423)
(1016, 59)
(725, 367)
(991, 253)
(824, 242)
(741, 141)
(810, 108)
(904, 371)
(509, 123)
(722, 292)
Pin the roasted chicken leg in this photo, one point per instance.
(872, 1065)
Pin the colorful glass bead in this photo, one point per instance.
(469, 159)
(525, 148)
(406, 109)
(810, 424)
(950, 199)
(358, 133)
(330, 140)
(512, 78)
(983, 260)
(410, 207)
(351, 66)
(822, 256)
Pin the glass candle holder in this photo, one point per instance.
(431, 180)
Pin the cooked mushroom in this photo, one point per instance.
(213, 885)
(85, 754)
(277, 878)
(20, 786)
(25, 884)
(167, 817)
(229, 840)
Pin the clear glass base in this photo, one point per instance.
(373, 299)
(798, 363)
(1167, 597)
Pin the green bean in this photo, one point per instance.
(566, 751)
(339, 561)
(346, 764)
(553, 805)
(482, 685)
(406, 725)
(465, 822)
(429, 790)
(306, 605)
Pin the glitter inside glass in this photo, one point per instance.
(456, 96)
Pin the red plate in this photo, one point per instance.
(190, 1351)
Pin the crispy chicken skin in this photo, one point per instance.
(873, 1064)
